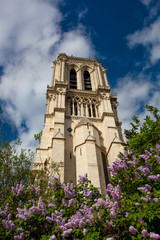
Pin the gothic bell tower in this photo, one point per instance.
(82, 128)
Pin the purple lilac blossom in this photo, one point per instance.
(117, 165)
(146, 156)
(67, 233)
(6, 209)
(158, 148)
(154, 236)
(8, 225)
(18, 190)
(83, 179)
(3, 214)
(137, 175)
(85, 231)
(137, 204)
(157, 158)
(132, 230)
(144, 170)
(145, 233)
(20, 237)
(86, 192)
(127, 215)
(37, 190)
(53, 237)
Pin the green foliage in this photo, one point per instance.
(146, 135)
(14, 167)
(38, 136)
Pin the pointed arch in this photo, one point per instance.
(73, 79)
(87, 81)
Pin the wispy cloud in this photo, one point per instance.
(31, 37)
(149, 37)
(146, 2)
(134, 93)
(82, 13)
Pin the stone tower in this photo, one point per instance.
(82, 128)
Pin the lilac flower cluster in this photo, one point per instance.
(18, 190)
(82, 179)
(40, 209)
(35, 190)
(145, 233)
(118, 166)
(148, 198)
(154, 177)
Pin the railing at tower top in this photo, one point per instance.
(79, 106)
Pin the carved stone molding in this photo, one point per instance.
(51, 96)
(59, 109)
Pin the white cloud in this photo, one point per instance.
(149, 37)
(30, 30)
(75, 42)
(134, 92)
(146, 2)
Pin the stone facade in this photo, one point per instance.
(82, 128)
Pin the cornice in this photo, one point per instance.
(118, 124)
(78, 118)
(81, 93)
(105, 89)
(65, 57)
(107, 114)
(59, 110)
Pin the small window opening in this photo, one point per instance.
(75, 108)
(87, 81)
(70, 155)
(73, 79)
(89, 111)
(94, 110)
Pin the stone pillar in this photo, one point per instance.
(62, 70)
(100, 76)
(109, 104)
(79, 79)
(53, 75)
(98, 81)
(105, 77)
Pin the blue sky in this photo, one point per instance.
(123, 35)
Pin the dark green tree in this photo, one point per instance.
(145, 135)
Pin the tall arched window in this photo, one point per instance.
(73, 79)
(87, 81)
(105, 169)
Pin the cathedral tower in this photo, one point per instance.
(82, 128)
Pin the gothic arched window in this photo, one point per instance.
(105, 169)
(73, 79)
(87, 81)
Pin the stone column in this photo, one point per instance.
(79, 79)
(62, 70)
(105, 77)
(100, 76)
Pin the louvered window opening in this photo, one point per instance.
(87, 81)
(73, 79)
(83, 109)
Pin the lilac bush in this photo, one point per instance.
(128, 210)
